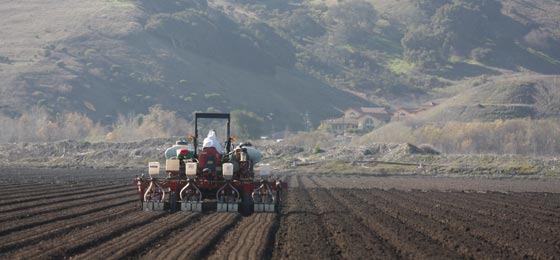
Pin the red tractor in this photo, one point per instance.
(207, 177)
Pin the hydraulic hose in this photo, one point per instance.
(148, 190)
(187, 187)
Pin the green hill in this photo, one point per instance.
(290, 58)
(110, 57)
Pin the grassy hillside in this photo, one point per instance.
(289, 59)
(402, 49)
(111, 57)
(505, 115)
(519, 96)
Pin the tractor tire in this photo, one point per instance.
(140, 203)
(247, 205)
(277, 203)
(172, 202)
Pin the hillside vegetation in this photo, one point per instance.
(121, 57)
(291, 62)
(536, 97)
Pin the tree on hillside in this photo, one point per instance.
(351, 22)
(157, 123)
(423, 47)
(466, 24)
(163, 123)
(301, 24)
(37, 125)
(456, 28)
(246, 124)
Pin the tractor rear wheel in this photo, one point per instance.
(247, 205)
(172, 202)
(277, 203)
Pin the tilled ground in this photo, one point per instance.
(93, 214)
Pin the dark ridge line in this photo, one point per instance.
(60, 232)
(24, 215)
(326, 231)
(395, 218)
(65, 217)
(43, 192)
(116, 233)
(90, 195)
(18, 186)
(142, 249)
(390, 246)
(271, 238)
(431, 218)
(210, 247)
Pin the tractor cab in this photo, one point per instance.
(212, 152)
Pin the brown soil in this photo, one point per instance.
(93, 214)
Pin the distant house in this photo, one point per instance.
(404, 113)
(363, 119)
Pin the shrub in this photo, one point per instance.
(513, 136)
(317, 149)
(480, 54)
(246, 124)
(60, 64)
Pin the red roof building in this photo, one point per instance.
(363, 119)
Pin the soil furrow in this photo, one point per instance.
(114, 230)
(78, 240)
(543, 222)
(306, 182)
(354, 237)
(134, 242)
(250, 243)
(46, 201)
(39, 192)
(407, 212)
(59, 207)
(263, 227)
(320, 181)
(513, 238)
(244, 236)
(64, 215)
(505, 215)
(410, 242)
(196, 239)
(90, 213)
(28, 237)
(301, 233)
(490, 201)
(8, 188)
(539, 200)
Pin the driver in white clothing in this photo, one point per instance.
(212, 141)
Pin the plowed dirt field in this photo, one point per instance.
(93, 214)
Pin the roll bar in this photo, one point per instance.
(212, 116)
